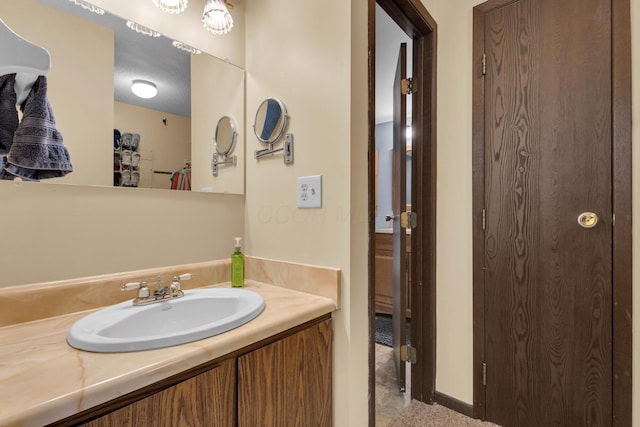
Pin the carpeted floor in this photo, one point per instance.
(395, 409)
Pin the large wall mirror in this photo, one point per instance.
(175, 128)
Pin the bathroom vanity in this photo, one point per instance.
(258, 379)
(275, 369)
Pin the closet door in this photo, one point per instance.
(547, 259)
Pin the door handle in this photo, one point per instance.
(389, 217)
(587, 219)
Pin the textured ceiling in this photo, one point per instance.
(142, 57)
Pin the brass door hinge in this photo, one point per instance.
(484, 219)
(408, 86)
(408, 354)
(408, 220)
(484, 64)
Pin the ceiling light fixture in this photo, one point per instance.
(142, 29)
(216, 17)
(144, 89)
(186, 47)
(171, 6)
(88, 6)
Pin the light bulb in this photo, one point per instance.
(171, 6)
(216, 17)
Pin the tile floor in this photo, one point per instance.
(395, 409)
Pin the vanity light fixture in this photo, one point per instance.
(186, 47)
(171, 6)
(142, 29)
(216, 17)
(144, 89)
(91, 8)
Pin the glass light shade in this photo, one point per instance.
(186, 47)
(88, 6)
(144, 89)
(171, 6)
(216, 17)
(142, 29)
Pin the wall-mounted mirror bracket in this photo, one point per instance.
(287, 150)
(215, 162)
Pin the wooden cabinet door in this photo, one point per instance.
(206, 400)
(288, 383)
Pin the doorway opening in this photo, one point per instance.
(414, 23)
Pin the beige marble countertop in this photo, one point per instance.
(43, 379)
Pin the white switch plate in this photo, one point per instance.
(310, 191)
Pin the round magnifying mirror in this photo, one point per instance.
(271, 119)
(225, 135)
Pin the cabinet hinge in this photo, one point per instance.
(484, 374)
(408, 220)
(484, 64)
(408, 86)
(613, 220)
(484, 219)
(408, 354)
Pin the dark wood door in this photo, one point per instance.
(399, 205)
(547, 159)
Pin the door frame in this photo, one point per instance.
(621, 200)
(412, 17)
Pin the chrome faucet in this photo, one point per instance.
(161, 293)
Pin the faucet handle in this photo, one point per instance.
(132, 286)
(143, 290)
(175, 283)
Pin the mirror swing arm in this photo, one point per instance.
(269, 126)
(226, 160)
(287, 149)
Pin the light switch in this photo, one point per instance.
(310, 191)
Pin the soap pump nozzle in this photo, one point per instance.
(237, 239)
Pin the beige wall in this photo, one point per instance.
(454, 285)
(218, 90)
(80, 84)
(295, 55)
(162, 147)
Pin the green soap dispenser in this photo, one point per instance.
(237, 266)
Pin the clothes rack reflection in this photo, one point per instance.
(181, 178)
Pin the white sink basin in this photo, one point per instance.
(200, 313)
